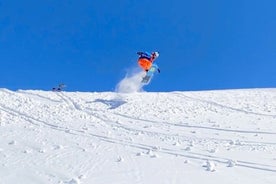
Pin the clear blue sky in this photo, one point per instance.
(89, 44)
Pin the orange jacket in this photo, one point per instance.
(144, 63)
(145, 60)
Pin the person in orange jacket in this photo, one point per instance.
(145, 60)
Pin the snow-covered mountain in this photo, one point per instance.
(208, 137)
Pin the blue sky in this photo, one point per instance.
(89, 45)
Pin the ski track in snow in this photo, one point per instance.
(74, 137)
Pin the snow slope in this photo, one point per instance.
(208, 137)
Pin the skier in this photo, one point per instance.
(145, 60)
(59, 88)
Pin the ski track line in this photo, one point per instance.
(184, 138)
(75, 106)
(136, 131)
(34, 121)
(248, 143)
(201, 157)
(239, 161)
(168, 126)
(39, 96)
(37, 122)
(69, 101)
(226, 130)
(198, 127)
(224, 161)
(224, 106)
(114, 123)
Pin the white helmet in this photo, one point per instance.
(156, 54)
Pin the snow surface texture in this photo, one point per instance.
(209, 137)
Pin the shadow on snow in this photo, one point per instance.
(113, 104)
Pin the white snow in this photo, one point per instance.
(207, 137)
